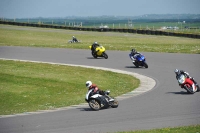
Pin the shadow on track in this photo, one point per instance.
(179, 93)
(89, 109)
(94, 58)
(134, 67)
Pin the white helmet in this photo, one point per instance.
(73, 36)
(176, 71)
(88, 84)
(95, 42)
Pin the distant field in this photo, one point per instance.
(58, 38)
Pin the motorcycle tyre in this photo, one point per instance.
(94, 55)
(115, 104)
(146, 65)
(70, 41)
(189, 92)
(105, 55)
(91, 104)
(136, 65)
(198, 88)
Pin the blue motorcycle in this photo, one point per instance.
(140, 60)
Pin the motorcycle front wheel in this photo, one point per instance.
(94, 105)
(105, 55)
(145, 65)
(115, 104)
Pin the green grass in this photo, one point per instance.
(26, 86)
(185, 129)
(41, 37)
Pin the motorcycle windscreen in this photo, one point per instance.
(140, 58)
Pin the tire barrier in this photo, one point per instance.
(136, 31)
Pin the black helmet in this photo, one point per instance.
(133, 50)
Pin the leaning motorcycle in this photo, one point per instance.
(71, 41)
(97, 101)
(187, 83)
(140, 60)
(100, 52)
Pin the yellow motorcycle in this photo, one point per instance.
(100, 52)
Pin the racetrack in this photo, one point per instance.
(166, 105)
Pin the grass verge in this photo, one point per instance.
(184, 129)
(54, 38)
(27, 87)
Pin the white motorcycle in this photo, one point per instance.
(71, 41)
(97, 101)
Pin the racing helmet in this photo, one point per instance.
(95, 42)
(133, 50)
(177, 71)
(73, 36)
(88, 84)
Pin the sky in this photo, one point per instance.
(84, 8)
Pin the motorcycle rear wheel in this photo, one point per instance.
(94, 55)
(94, 105)
(136, 65)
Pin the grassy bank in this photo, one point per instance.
(185, 129)
(26, 87)
(41, 37)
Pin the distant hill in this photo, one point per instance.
(146, 16)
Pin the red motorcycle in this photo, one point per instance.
(187, 84)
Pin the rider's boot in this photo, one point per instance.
(109, 98)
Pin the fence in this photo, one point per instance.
(125, 30)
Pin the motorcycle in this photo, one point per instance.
(71, 41)
(140, 60)
(100, 52)
(187, 83)
(97, 101)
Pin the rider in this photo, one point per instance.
(186, 74)
(96, 90)
(74, 39)
(94, 46)
(132, 54)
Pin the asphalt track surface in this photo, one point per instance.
(166, 105)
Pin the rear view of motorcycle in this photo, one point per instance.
(187, 84)
(97, 101)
